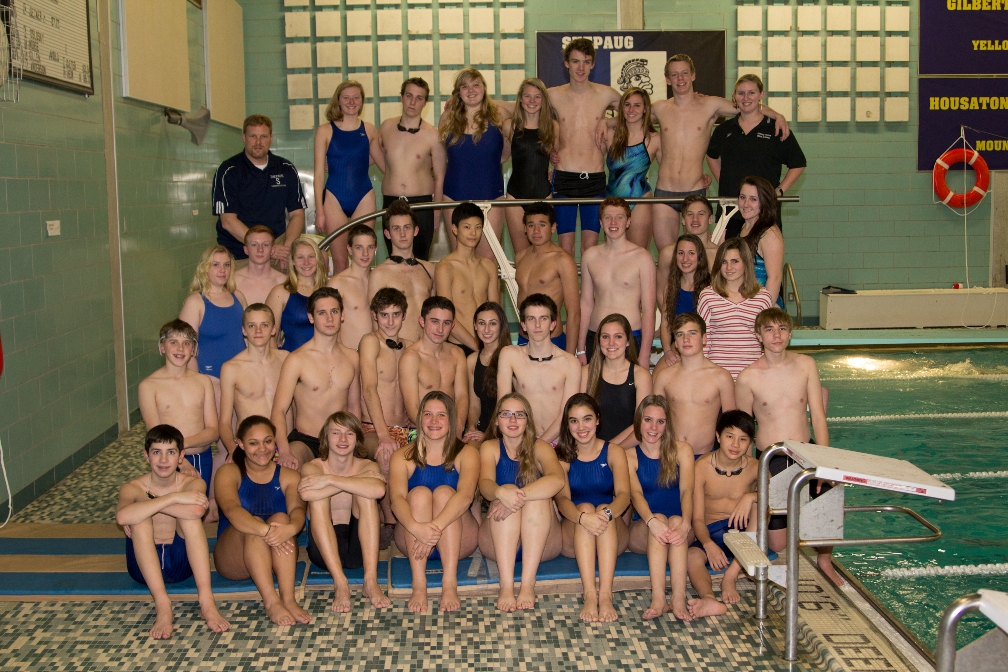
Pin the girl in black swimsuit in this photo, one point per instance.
(531, 145)
(615, 380)
(491, 327)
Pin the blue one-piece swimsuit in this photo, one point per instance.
(592, 482)
(628, 175)
(259, 499)
(347, 160)
(294, 322)
(759, 267)
(663, 499)
(474, 170)
(433, 476)
(220, 336)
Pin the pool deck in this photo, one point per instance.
(894, 338)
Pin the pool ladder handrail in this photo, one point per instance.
(991, 603)
(763, 511)
(789, 275)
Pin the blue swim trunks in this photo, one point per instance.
(559, 341)
(717, 531)
(174, 561)
(203, 463)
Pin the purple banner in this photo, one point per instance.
(963, 37)
(946, 104)
(626, 58)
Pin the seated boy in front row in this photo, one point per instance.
(161, 513)
(782, 390)
(724, 497)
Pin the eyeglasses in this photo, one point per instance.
(517, 415)
(396, 259)
(408, 130)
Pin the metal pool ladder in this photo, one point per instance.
(991, 603)
(819, 522)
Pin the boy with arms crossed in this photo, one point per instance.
(783, 414)
(161, 513)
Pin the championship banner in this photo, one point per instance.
(963, 37)
(626, 58)
(945, 104)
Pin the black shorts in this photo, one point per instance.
(348, 543)
(311, 441)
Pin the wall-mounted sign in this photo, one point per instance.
(946, 104)
(963, 37)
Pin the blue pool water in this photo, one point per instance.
(975, 525)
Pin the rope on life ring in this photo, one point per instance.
(971, 158)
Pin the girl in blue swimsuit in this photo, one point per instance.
(306, 272)
(661, 488)
(261, 515)
(432, 484)
(519, 476)
(343, 189)
(592, 503)
(630, 148)
(470, 129)
(758, 207)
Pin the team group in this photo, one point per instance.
(376, 402)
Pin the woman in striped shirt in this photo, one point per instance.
(730, 306)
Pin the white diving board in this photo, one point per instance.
(993, 605)
(870, 471)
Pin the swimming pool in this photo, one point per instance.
(918, 581)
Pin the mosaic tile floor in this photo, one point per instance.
(112, 635)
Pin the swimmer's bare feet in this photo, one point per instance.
(729, 595)
(163, 623)
(418, 600)
(213, 618)
(706, 606)
(372, 591)
(506, 599)
(299, 614)
(658, 607)
(589, 612)
(825, 562)
(679, 608)
(606, 611)
(341, 598)
(526, 597)
(449, 598)
(278, 613)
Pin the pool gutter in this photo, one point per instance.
(881, 610)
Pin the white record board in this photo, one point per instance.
(55, 42)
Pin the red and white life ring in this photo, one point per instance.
(971, 158)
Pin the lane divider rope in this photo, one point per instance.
(993, 569)
(920, 416)
(956, 476)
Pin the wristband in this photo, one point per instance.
(578, 353)
(648, 523)
(579, 518)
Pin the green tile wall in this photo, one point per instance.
(57, 391)
(866, 219)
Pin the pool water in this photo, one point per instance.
(975, 525)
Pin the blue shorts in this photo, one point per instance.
(174, 561)
(568, 184)
(559, 341)
(203, 462)
(717, 531)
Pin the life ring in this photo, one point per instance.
(973, 196)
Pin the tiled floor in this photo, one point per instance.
(111, 635)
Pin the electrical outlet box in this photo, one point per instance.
(195, 212)
(53, 227)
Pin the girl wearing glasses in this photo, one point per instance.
(432, 482)
(519, 475)
(592, 501)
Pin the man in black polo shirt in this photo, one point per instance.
(747, 144)
(258, 187)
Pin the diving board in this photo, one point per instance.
(865, 469)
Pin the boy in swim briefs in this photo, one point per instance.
(724, 498)
(161, 513)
